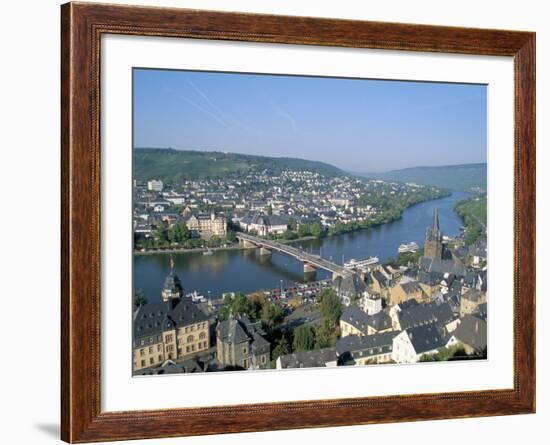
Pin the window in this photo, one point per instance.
(192, 347)
(244, 350)
(142, 363)
(151, 360)
(160, 358)
(159, 348)
(142, 352)
(187, 348)
(190, 339)
(169, 338)
(150, 349)
(263, 358)
(170, 348)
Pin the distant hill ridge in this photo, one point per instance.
(466, 177)
(169, 164)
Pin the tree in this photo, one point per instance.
(238, 305)
(304, 338)
(331, 309)
(304, 230)
(325, 335)
(292, 224)
(317, 229)
(282, 348)
(271, 315)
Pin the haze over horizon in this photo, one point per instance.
(358, 125)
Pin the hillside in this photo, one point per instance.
(170, 165)
(466, 177)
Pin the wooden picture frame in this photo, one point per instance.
(82, 26)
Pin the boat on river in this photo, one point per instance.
(411, 247)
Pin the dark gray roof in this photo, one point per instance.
(441, 266)
(173, 283)
(261, 219)
(239, 329)
(425, 313)
(472, 331)
(350, 284)
(380, 277)
(361, 320)
(481, 311)
(152, 318)
(426, 337)
(186, 367)
(309, 359)
(363, 346)
(232, 331)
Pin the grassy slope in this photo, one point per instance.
(174, 165)
(454, 177)
(476, 207)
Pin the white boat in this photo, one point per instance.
(196, 298)
(408, 248)
(355, 264)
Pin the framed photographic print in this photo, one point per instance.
(274, 222)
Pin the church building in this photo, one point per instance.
(433, 246)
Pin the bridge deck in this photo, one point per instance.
(299, 254)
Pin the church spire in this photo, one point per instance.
(435, 222)
(433, 246)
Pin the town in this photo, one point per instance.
(429, 304)
(290, 205)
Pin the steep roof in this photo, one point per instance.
(426, 337)
(152, 318)
(472, 331)
(425, 313)
(361, 320)
(363, 346)
(441, 266)
(309, 359)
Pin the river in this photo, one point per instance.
(246, 271)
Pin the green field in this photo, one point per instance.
(476, 207)
(473, 212)
(171, 165)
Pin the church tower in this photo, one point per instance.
(172, 285)
(433, 246)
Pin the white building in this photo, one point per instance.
(411, 344)
(155, 185)
(371, 304)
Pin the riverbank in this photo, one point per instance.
(240, 270)
(339, 229)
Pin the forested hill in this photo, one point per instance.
(170, 165)
(466, 177)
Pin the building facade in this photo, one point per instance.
(240, 343)
(155, 185)
(208, 225)
(172, 330)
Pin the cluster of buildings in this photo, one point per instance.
(407, 314)
(389, 315)
(176, 336)
(260, 202)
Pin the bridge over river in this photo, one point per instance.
(311, 262)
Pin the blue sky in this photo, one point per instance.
(359, 125)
